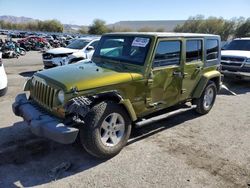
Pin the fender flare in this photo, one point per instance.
(80, 106)
(211, 75)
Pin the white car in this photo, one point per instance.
(3, 78)
(79, 49)
(235, 59)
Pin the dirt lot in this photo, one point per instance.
(183, 151)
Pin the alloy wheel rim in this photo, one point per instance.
(112, 129)
(208, 98)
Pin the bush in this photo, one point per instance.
(98, 27)
(47, 26)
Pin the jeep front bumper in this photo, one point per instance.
(42, 124)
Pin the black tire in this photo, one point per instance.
(90, 132)
(202, 108)
(3, 91)
(22, 52)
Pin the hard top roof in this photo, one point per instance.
(164, 34)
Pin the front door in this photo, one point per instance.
(193, 66)
(166, 76)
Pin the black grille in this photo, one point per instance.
(47, 56)
(50, 56)
(43, 94)
(232, 61)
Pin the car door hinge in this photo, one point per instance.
(148, 100)
(183, 91)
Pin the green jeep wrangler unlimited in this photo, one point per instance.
(130, 76)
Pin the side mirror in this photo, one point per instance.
(89, 48)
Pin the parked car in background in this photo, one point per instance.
(235, 59)
(130, 77)
(79, 49)
(3, 78)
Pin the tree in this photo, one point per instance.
(51, 26)
(98, 27)
(243, 30)
(211, 25)
(191, 25)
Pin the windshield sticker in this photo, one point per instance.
(140, 42)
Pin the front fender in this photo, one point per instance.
(128, 105)
(204, 80)
(82, 105)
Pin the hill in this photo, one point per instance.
(167, 25)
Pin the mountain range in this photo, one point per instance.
(166, 25)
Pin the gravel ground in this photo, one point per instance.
(183, 151)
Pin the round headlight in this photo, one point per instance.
(61, 96)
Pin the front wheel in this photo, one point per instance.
(207, 99)
(106, 130)
(22, 51)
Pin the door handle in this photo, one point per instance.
(178, 74)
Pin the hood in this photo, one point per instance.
(61, 51)
(235, 53)
(85, 75)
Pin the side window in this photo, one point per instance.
(193, 50)
(212, 46)
(167, 53)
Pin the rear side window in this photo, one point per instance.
(212, 46)
(167, 53)
(193, 50)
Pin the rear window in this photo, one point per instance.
(212, 46)
(193, 50)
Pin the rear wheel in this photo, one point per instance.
(106, 131)
(207, 99)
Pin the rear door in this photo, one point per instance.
(193, 65)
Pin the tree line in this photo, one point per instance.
(46, 26)
(235, 27)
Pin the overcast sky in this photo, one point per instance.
(83, 12)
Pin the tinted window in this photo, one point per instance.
(167, 53)
(212, 46)
(238, 45)
(193, 50)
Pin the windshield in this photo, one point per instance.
(78, 44)
(129, 49)
(238, 45)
